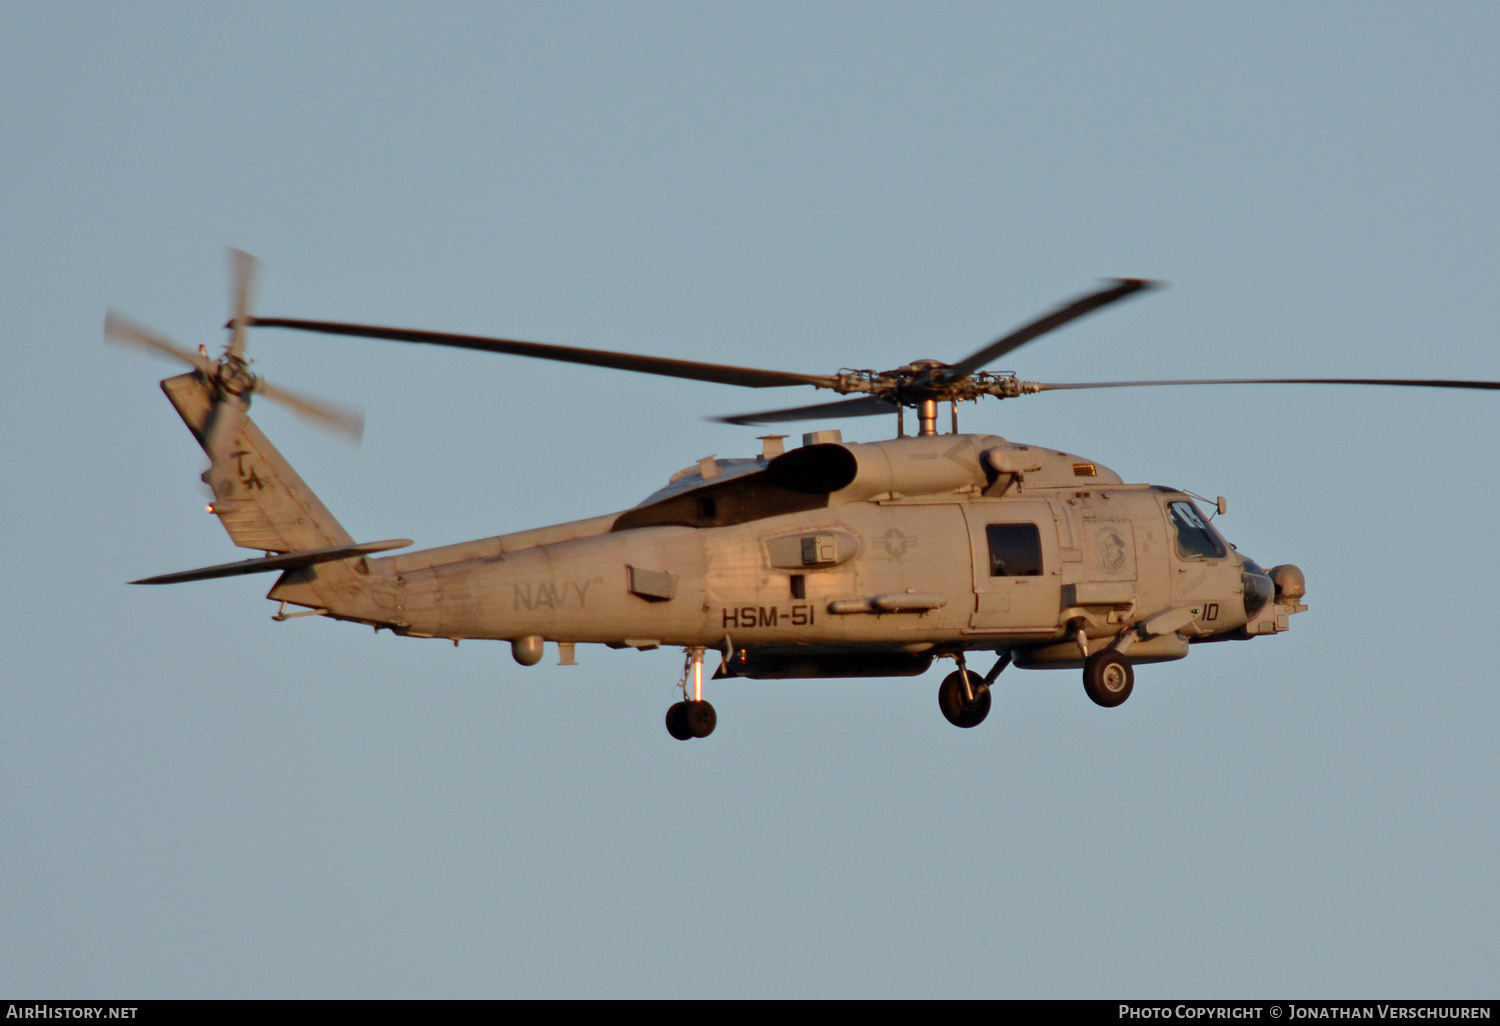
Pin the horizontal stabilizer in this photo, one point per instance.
(286, 561)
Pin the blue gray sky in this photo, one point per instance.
(199, 802)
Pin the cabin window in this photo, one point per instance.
(1195, 539)
(1015, 550)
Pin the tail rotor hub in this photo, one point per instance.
(234, 377)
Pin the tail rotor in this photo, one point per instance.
(230, 376)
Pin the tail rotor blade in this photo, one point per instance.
(122, 331)
(341, 419)
(244, 270)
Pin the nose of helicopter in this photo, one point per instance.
(1271, 596)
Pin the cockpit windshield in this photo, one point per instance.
(1195, 539)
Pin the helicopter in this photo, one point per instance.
(831, 559)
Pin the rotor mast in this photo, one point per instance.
(927, 417)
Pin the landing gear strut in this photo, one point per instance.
(964, 697)
(692, 717)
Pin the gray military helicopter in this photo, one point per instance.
(832, 559)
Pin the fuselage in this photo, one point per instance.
(904, 547)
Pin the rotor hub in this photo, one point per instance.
(234, 377)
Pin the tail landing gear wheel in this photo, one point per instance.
(677, 724)
(957, 707)
(1108, 678)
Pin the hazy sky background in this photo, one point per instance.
(198, 802)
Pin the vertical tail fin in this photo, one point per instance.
(264, 504)
(259, 498)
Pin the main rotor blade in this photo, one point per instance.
(342, 419)
(1121, 288)
(123, 331)
(243, 271)
(750, 377)
(864, 406)
(1400, 382)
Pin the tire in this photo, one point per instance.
(951, 700)
(1108, 678)
(701, 719)
(677, 724)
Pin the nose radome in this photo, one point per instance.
(1289, 581)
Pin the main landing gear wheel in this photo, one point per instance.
(957, 707)
(677, 722)
(1108, 678)
(687, 720)
(692, 717)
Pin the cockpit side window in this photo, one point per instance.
(1195, 539)
(1015, 550)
